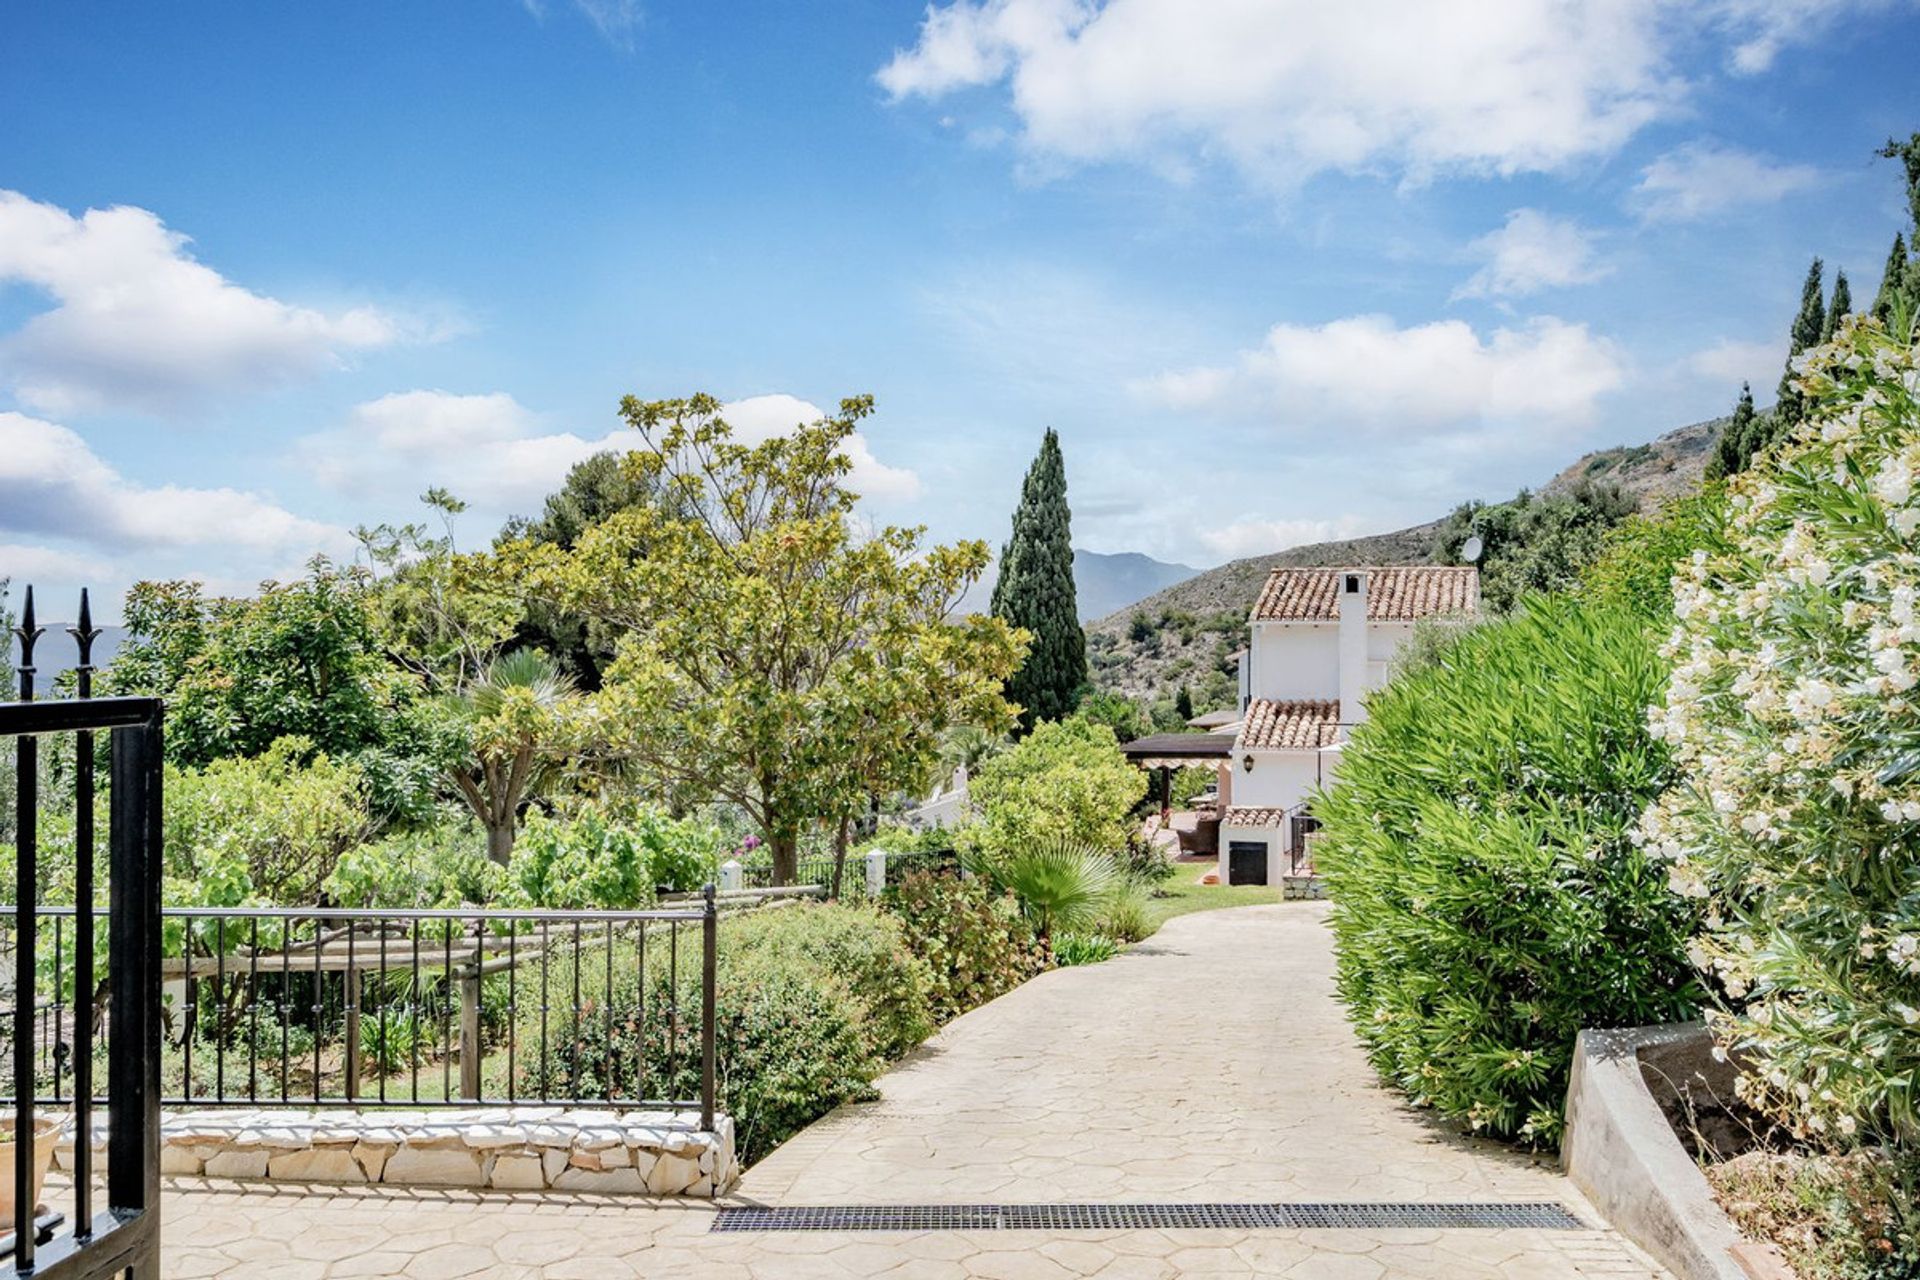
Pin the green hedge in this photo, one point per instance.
(1488, 900)
(810, 1002)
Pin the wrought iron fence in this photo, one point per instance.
(327, 1007)
(121, 941)
(818, 870)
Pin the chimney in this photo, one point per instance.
(1353, 644)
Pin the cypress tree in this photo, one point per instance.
(1839, 309)
(1908, 154)
(1035, 591)
(1892, 280)
(1736, 442)
(1807, 325)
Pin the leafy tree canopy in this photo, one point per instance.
(772, 653)
(1533, 543)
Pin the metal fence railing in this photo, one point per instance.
(117, 1233)
(857, 877)
(328, 1007)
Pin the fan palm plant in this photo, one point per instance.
(1061, 883)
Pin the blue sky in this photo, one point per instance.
(1276, 270)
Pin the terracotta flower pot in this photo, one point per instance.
(46, 1138)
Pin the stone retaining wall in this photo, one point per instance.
(1301, 888)
(508, 1148)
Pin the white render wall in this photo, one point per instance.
(1293, 660)
(1279, 779)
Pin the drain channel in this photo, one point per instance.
(1538, 1216)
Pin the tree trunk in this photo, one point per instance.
(784, 847)
(840, 855)
(500, 840)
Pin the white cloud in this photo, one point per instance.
(758, 418)
(1763, 28)
(1730, 360)
(138, 323)
(53, 485)
(24, 563)
(1287, 88)
(1701, 179)
(1533, 251)
(488, 449)
(617, 21)
(1367, 373)
(492, 451)
(1254, 535)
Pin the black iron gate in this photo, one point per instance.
(123, 1237)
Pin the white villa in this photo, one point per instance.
(1321, 639)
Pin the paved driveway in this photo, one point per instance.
(1209, 1064)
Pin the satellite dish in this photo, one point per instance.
(1470, 549)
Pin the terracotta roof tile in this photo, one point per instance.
(1289, 726)
(1253, 816)
(1399, 593)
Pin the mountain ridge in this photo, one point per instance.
(1192, 627)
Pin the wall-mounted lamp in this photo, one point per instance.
(1246, 762)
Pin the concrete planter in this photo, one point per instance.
(1620, 1150)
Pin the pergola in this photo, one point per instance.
(1165, 752)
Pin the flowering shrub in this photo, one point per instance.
(1792, 715)
(1487, 901)
(976, 944)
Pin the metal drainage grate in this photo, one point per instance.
(1537, 1216)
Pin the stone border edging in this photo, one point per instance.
(1621, 1152)
(662, 1153)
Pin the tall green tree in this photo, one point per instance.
(1735, 446)
(773, 653)
(1808, 322)
(1837, 310)
(1893, 280)
(1035, 593)
(1908, 154)
(596, 487)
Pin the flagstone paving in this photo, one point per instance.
(1208, 1064)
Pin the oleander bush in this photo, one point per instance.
(1488, 903)
(1793, 717)
(974, 941)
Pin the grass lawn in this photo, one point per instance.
(1179, 896)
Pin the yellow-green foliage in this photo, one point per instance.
(1065, 781)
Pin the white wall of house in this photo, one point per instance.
(1278, 778)
(1293, 660)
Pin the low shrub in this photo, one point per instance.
(1070, 949)
(1060, 884)
(1065, 781)
(269, 828)
(581, 863)
(810, 1002)
(864, 947)
(1488, 902)
(975, 943)
(1125, 916)
(443, 865)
